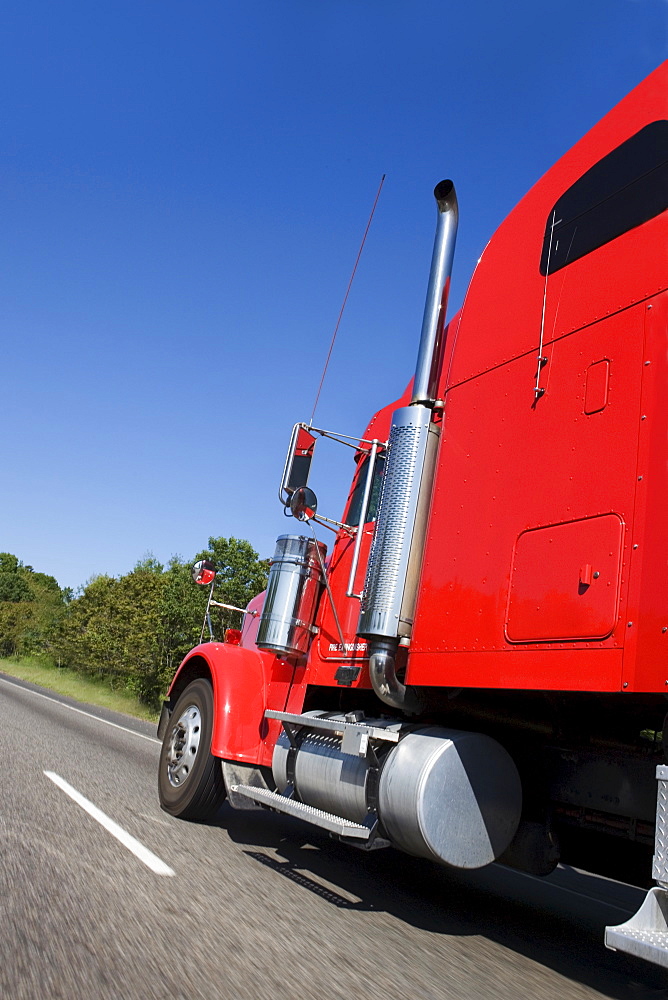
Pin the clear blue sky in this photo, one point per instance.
(184, 189)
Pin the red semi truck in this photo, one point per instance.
(478, 669)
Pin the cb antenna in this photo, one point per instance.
(345, 299)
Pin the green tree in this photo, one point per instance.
(181, 616)
(109, 631)
(148, 564)
(31, 606)
(135, 630)
(240, 576)
(14, 586)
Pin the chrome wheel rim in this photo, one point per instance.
(183, 746)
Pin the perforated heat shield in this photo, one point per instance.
(389, 559)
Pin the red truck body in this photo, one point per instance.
(541, 607)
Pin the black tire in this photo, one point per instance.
(190, 778)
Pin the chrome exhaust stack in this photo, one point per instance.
(432, 340)
(390, 589)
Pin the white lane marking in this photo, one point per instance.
(150, 859)
(90, 715)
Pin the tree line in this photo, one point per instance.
(132, 630)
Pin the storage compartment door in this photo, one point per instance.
(564, 583)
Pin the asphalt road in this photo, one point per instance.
(258, 907)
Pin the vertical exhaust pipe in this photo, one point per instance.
(432, 341)
(390, 589)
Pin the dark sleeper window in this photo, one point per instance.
(355, 508)
(623, 190)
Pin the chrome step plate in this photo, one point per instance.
(645, 935)
(327, 821)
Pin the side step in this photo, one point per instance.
(645, 935)
(328, 821)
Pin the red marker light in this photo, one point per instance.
(233, 636)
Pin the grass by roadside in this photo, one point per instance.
(62, 681)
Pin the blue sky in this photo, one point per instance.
(184, 189)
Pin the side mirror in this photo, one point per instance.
(303, 503)
(203, 572)
(298, 462)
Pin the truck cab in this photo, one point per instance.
(472, 667)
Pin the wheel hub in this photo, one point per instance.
(183, 745)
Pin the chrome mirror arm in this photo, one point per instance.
(326, 522)
(232, 607)
(349, 440)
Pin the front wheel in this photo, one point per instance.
(190, 779)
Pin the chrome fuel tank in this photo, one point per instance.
(451, 796)
(324, 777)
